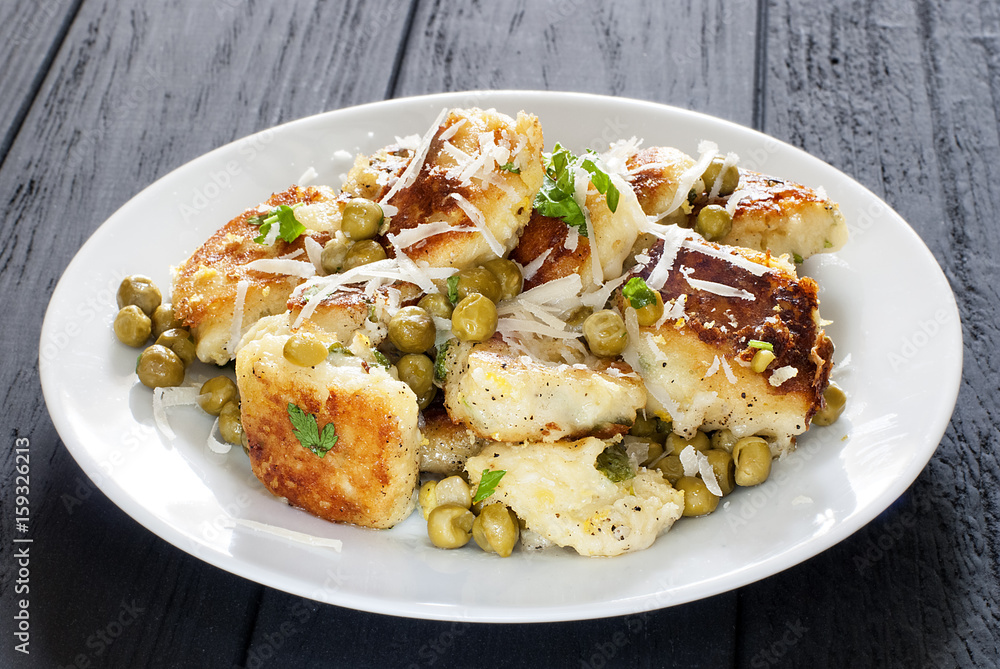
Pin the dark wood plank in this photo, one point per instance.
(902, 95)
(694, 55)
(30, 34)
(136, 90)
(287, 634)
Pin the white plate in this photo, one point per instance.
(893, 311)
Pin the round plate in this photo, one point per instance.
(890, 304)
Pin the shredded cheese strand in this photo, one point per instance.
(479, 221)
(236, 327)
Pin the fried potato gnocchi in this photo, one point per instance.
(557, 491)
(369, 475)
(503, 396)
(206, 285)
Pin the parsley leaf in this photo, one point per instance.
(763, 345)
(453, 289)
(289, 227)
(340, 349)
(439, 369)
(488, 484)
(638, 293)
(308, 433)
(555, 199)
(797, 258)
(613, 462)
(509, 167)
(380, 358)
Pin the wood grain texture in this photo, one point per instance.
(902, 96)
(693, 55)
(30, 35)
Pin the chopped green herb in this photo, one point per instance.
(764, 345)
(308, 433)
(509, 167)
(555, 199)
(372, 316)
(439, 368)
(638, 293)
(797, 258)
(380, 358)
(827, 244)
(338, 348)
(453, 288)
(613, 462)
(488, 484)
(289, 227)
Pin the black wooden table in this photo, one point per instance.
(102, 97)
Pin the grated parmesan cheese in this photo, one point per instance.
(283, 266)
(236, 327)
(284, 533)
(479, 221)
(782, 374)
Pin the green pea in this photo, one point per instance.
(417, 371)
(761, 359)
(159, 367)
(411, 330)
(364, 252)
(676, 443)
(180, 342)
(478, 280)
(730, 178)
(752, 456)
(132, 326)
(496, 530)
(220, 391)
(671, 468)
(450, 526)
(304, 349)
(436, 304)
(140, 291)
(605, 333)
(713, 222)
(724, 439)
(835, 400)
(698, 499)
(650, 313)
(163, 319)
(230, 423)
(361, 219)
(333, 256)
(724, 469)
(508, 274)
(474, 318)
